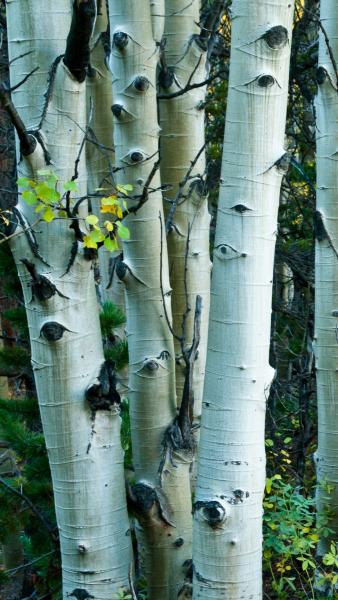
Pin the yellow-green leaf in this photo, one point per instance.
(92, 219)
(48, 215)
(110, 244)
(29, 197)
(70, 186)
(123, 231)
(88, 242)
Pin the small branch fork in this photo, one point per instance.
(192, 86)
(29, 503)
(181, 187)
(184, 418)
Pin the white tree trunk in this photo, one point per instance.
(231, 467)
(83, 441)
(182, 142)
(161, 494)
(326, 268)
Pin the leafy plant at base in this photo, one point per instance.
(291, 533)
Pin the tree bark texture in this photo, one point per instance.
(326, 272)
(227, 550)
(78, 403)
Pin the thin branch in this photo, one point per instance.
(178, 338)
(181, 186)
(27, 140)
(29, 503)
(12, 89)
(191, 86)
(145, 192)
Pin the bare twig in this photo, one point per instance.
(181, 186)
(178, 338)
(32, 506)
(191, 86)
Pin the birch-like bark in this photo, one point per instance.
(182, 143)
(227, 548)
(78, 403)
(161, 494)
(99, 149)
(326, 270)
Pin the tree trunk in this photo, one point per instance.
(231, 471)
(182, 143)
(77, 399)
(161, 495)
(326, 270)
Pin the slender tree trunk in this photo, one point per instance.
(161, 495)
(231, 471)
(182, 143)
(77, 399)
(326, 269)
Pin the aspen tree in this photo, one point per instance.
(75, 386)
(227, 550)
(326, 272)
(162, 448)
(182, 122)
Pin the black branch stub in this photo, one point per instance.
(52, 331)
(90, 254)
(120, 40)
(179, 542)
(121, 269)
(141, 83)
(42, 288)
(240, 208)
(212, 512)
(283, 162)
(166, 77)
(321, 75)
(319, 227)
(145, 500)
(178, 438)
(151, 365)
(117, 110)
(80, 594)
(77, 55)
(136, 156)
(265, 81)
(276, 37)
(103, 395)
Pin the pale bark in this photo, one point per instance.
(231, 467)
(182, 143)
(161, 495)
(100, 155)
(82, 438)
(326, 269)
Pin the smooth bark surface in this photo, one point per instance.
(227, 549)
(326, 269)
(82, 438)
(182, 170)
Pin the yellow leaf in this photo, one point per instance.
(88, 242)
(92, 219)
(48, 215)
(108, 208)
(108, 225)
